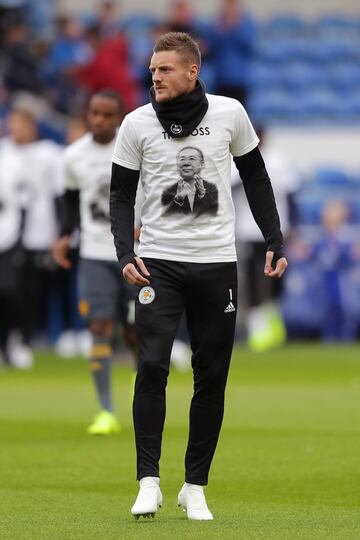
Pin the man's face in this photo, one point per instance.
(22, 128)
(104, 117)
(189, 163)
(172, 75)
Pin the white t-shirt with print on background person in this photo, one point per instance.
(168, 232)
(88, 169)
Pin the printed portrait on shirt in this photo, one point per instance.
(99, 206)
(190, 194)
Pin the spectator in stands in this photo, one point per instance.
(68, 52)
(40, 17)
(10, 10)
(20, 71)
(109, 67)
(335, 253)
(233, 39)
(181, 18)
(263, 321)
(107, 18)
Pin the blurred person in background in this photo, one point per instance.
(40, 15)
(20, 69)
(67, 53)
(108, 67)
(233, 46)
(264, 325)
(11, 219)
(10, 9)
(32, 170)
(335, 253)
(106, 18)
(86, 206)
(182, 18)
(71, 338)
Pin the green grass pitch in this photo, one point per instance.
(287, 464)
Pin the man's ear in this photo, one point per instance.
(193, 72)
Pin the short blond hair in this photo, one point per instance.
(182, 43)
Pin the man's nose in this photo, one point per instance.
(156, 75)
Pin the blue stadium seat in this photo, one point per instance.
(308, 210)
(331, 50)
(282, 50)
(345, 76)
(320, 102)
(265, 75)
(139, 23)
(351, 105)
(268, 104)
(304, 75)
(332, 177)
(326, 183)
(335, 24)
(285, 24)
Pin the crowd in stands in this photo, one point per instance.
(283, 70)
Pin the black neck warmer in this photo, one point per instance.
(180, 116)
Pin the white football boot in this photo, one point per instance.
(192, 499)
(149, 498)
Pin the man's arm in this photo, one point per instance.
(69, 217)
(168, 195)
(123, 188)
(261, 200)
(69, 212)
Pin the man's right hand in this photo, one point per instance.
(183, 191)
(131, 274)
(60, 252)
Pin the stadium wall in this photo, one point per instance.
(310, 147)
(306, 8)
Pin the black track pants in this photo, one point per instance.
(208, 293)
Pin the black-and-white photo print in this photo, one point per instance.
(191, 194)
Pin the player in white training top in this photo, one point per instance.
(102, 292)
(181, 144)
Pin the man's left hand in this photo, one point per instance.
(281, 265)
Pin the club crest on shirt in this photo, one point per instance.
(175, 129)
(146, 295)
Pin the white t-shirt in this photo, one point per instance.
(88, 169)
(284, 181)
(43, 166)
(187, 213)
(10, 216)
(30, 179)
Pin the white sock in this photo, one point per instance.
(145, 480)
(194, 486)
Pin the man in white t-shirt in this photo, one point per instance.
(31, 182)
(187, 260)
(86, 205)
